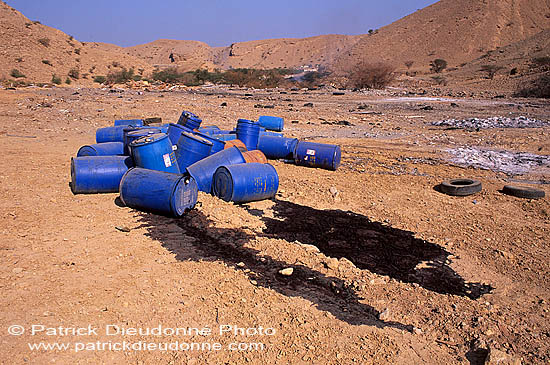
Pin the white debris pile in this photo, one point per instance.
(513, 163)
(493, 122)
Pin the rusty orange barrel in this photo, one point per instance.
(237, 143)
(255, 156)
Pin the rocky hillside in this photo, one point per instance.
(34, 52)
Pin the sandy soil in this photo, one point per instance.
(388, 270)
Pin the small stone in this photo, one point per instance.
(417, 330)
(286, 272)
(495, 357)
(332, 263)
(241, 264)
(253, 282)
(223, 104)
(333, 191)
(122, 229)
(385, 315)
(17, 270)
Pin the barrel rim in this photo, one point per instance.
(142, 141)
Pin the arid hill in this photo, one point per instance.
(39, 52)
(457, 31)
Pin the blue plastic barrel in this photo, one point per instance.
(217, 145)
(163, 128)
(208, 129)
(225, 137)
(325, 156)
(98, 174)
(102, 149)
(269, 133)
(154, 152)
(248, 132)
(220, 131)
(158, 192)
(110, 134)
(174, 132)
(245, 182)
(277, 147)
(189, 120)
(131, 135)
(191, 148)
(134, 122)
(203, 171)
(271, 123)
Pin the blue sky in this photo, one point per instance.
(216, 22)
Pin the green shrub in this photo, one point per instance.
(74, 73)
(100, 79)
(68, 81)
(16, 73)
(44, 41)
(120, 77)
(77, 50)
(372, 75)
(438, 65)
(56, 80)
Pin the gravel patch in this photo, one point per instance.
(493, 122)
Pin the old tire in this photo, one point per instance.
(460, 187)
(523, 192)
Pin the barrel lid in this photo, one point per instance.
(148, 139)
(144, 132)
(223, 184)
(185, 195)
(209, 138)
(337, 157)
(196, 138)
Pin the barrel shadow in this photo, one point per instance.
(371, 246)
(329, 294)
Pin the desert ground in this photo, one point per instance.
(386, 269)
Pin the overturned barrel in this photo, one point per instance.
(189, 120)
(254, 156)
(245, 182)
(225, 136)
(311, 154)
(237, 143)
(158, 192)
(111, 134)
(175, 131)
(271, 123)
(191, 148)
(203, 171)
(248, 132)
(154, 152)
(102, 149)
(134, 122)
(277, 147)
(217, 145)
(98, 174)
(270, 133)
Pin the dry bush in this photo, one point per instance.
(438, 65)
(44, 41)
(537, 88)
(491, 70)
(371, 75)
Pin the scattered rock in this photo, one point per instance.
(332, 263)
(286, 272)
(333, 191)
(223, 104)
(17, 270)
(241, 264)
(122, 229)
(497, 357)
(385, 315)
(260, 106)
(310, 105)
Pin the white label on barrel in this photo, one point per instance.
(310, 152)
(174, 147)
(167, 161)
